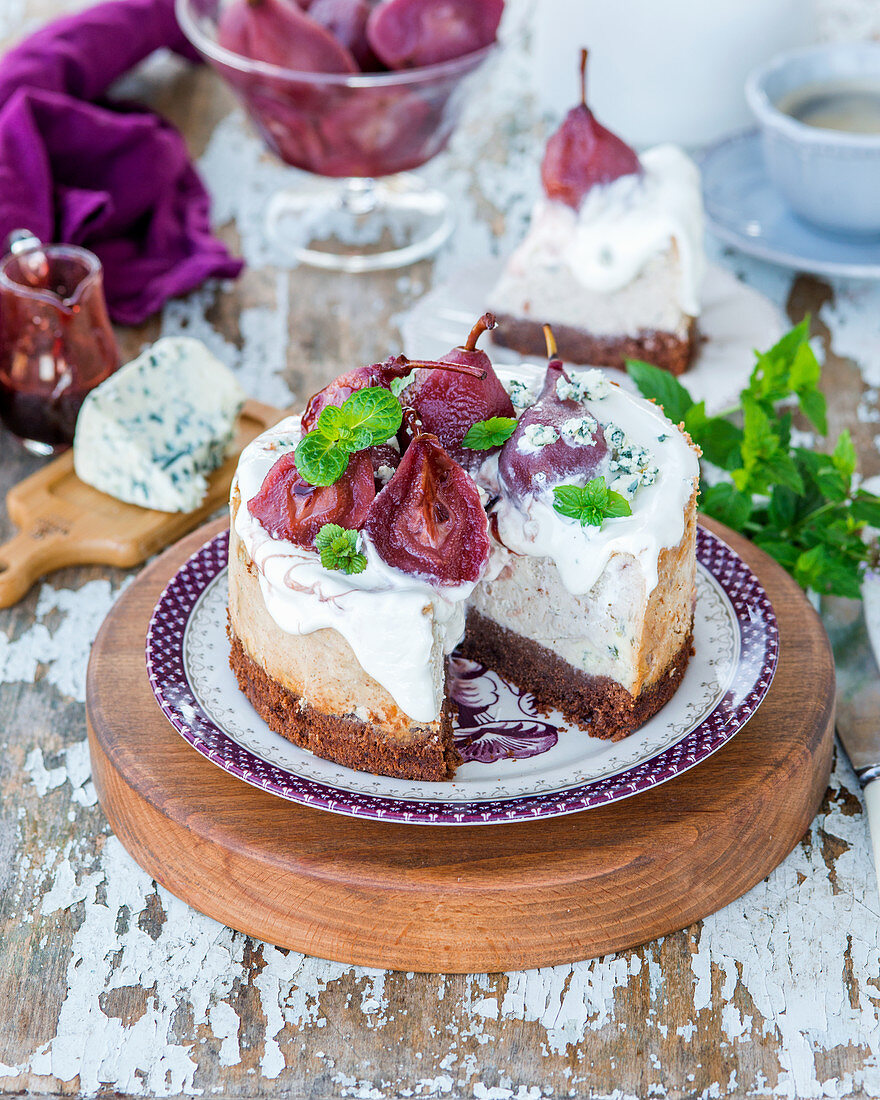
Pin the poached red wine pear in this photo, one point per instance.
(289, 508)
(428, 519)
(379, 374)
(582, 153)
(408, 34)
(555, 440)
(280, 33)
(448, 404)
(346, 20)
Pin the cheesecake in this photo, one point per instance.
(562, 557)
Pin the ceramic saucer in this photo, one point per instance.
(744, 209)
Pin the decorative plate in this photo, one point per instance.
(519, 763)
(734, 320)
(744, 209)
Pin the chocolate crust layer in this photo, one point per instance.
(663, 349)
(596, 702)
(344, 739)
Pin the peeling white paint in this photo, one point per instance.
(61, 651)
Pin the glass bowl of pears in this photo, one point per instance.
(357, 93)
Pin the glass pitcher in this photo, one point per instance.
(56, 342)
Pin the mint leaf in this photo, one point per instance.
(617, 507)
(590, 504)
(866, 508)
(319, 458)
(368, 417)
(338, 549)
(330, 421)
(398, 385)
(489, 433)
(374, 412)
(805, 368)
(660, 386)
(782, 508)
(726, 504)
(844, 454)
(814, 408)
(779, 550)
(718, 439)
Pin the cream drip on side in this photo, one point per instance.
(398, 625)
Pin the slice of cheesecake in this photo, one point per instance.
(618, 278)
(613, 258)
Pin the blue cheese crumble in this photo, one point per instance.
(580, 430)
(632, 465)
(153, 431)
(536, 436)
(520, 393)
(588, 385)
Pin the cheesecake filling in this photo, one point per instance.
(399, 626)
(655, 467)
(639, 238)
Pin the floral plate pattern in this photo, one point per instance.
(519, 763)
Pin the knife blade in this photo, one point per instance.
(852, 630)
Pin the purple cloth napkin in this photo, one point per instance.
(112, 177)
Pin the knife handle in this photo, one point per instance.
(871, 792)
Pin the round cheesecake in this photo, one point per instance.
(593, 618)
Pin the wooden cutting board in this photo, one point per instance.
(460, 899)
(62, 521)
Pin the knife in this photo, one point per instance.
(854, 629)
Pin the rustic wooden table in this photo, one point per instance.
(108, 984)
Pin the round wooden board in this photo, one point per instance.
(460, 899)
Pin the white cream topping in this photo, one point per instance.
(398, 625)
(622, 225)
(531, 525)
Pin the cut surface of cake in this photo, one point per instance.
(613, 258)
(563, 557)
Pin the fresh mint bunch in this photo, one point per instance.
(801, 506)
(590, 504)
(486, 434)
(370, 416)
(338, 549)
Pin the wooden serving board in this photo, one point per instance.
(62, 521)
(460, 899)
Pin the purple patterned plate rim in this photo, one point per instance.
(756, 667)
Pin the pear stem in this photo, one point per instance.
(456, 368)
(551, 341)
(487, 321)
(584, 55)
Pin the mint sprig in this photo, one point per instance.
(338, 549)
(370, 416)
(799, 505)
(489, 433)
(590, 504)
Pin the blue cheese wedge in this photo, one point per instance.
(153, 432)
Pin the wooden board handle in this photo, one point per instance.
(25, 558)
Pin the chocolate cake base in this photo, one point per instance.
(344, 739)
(663, 349)
(598, 703)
